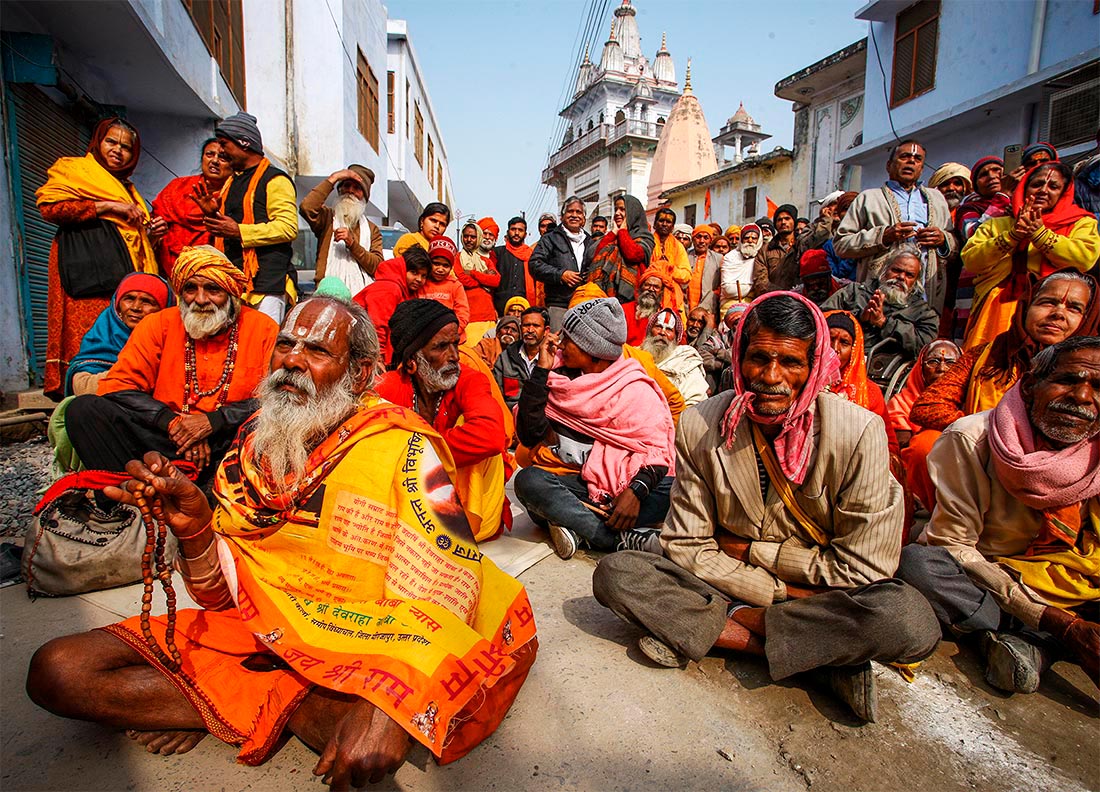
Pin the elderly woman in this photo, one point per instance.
(932, 363)
(846, 339)
(432, 223)
(139, 295)
(621, 256)
(562, 257)
(1062, 305)
(1047, 233)
(181, 213)
(105, 232)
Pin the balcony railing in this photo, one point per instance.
(601, 135)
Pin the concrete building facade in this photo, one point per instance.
(970, 77)
(828, 105)
(315, 77)
(738, 192)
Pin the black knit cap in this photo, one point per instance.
(842, 320)
(413, 324)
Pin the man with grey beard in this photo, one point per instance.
(1012, 546)
(455, 399)
(184, 382)
(330, 499)
(891, 306)
(681, 363)
(349, 246)
(651, 297)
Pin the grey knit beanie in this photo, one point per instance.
(243, 130)
(598, 327)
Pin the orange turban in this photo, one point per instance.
(584, 293)
(704, 227)
(733, 229)
(490, 225)
(210, 263)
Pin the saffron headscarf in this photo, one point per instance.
(101, 130)
(794, 446)
(490, 225)
(210, 263)
(901, 404)
(520, 301)
(104, 340)
(853, 384)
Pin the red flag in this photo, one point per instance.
(706, 205)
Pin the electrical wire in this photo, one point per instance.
(885, 95)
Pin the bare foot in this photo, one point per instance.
(167, 743)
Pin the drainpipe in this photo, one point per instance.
(1038, 22)
(291, 116)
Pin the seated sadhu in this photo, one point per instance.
(679, 361)
(600, 437)
(457, 400)
(784, 530)
(184, 381)
(343, 598)
(1013, 552)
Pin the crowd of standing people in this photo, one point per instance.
(825, 441)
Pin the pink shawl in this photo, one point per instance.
(1040, 479)
(624, 411)
(794, 446)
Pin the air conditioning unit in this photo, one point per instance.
(1073, 114)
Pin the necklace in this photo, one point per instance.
(191, 392)
(154, 566)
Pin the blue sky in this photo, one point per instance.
(496, 69)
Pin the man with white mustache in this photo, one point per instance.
(891, 306)
(1012, 546)
(455, 399)
(183, 383)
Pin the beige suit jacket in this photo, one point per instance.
(848, 492)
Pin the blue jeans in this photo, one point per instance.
(550, 498)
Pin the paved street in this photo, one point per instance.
(595, 715)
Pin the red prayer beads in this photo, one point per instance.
(191, 392)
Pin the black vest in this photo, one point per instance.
(276, 261)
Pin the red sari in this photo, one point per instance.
(184, 218)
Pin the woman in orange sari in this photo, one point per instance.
(79, 193)
(1062, 305)
(1046, 232)
(846, 338)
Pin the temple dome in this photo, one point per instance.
(684, 151)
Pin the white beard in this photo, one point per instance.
(659, 348)
(435, 380)
(350, 210)
(209, 321)
(749, 250)
(287, 429)
(894, 293)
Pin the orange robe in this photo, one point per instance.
(153, 359)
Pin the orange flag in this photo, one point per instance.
(772, 206)
(706, 205)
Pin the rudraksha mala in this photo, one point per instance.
(154, 565)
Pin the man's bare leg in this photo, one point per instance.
(358, 743)
(94, 676)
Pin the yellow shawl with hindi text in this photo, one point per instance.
(366, 579)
